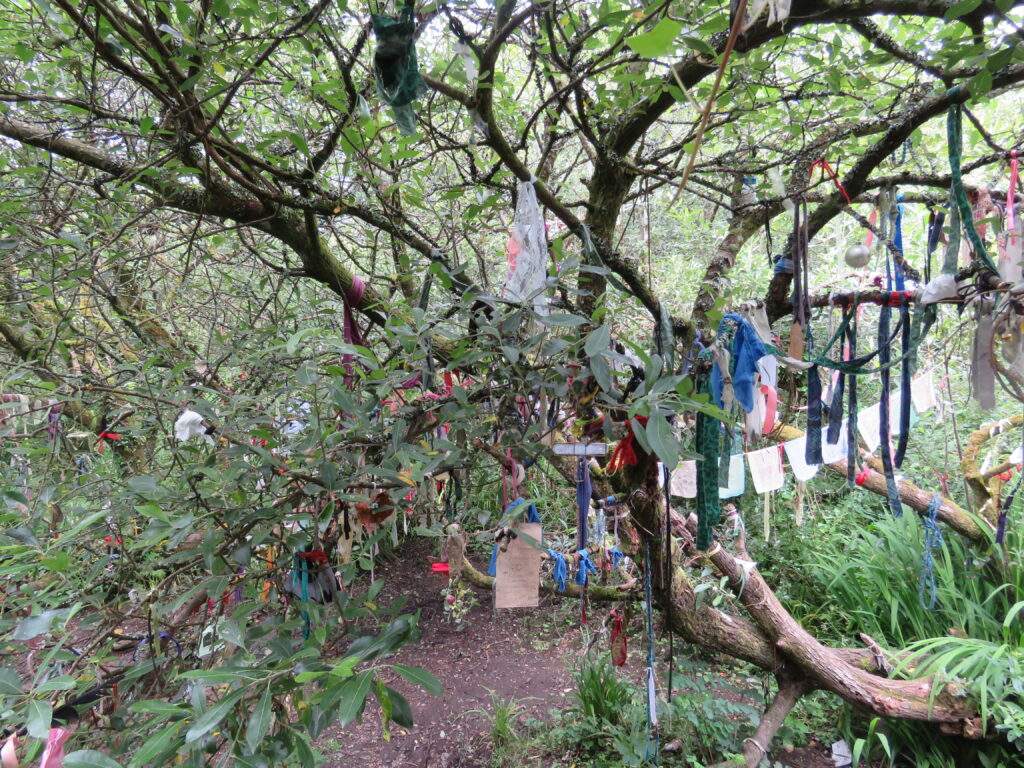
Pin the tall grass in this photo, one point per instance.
(874, 584)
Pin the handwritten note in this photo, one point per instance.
(766, 469)
(517, 577)
(684, 480)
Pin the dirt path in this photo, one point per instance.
(527, 656)
(520, 655)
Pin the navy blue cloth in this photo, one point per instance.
(747, 349)
(812, 450)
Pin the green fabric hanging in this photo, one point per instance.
(709, 510)
(394, 66)
(954, 140)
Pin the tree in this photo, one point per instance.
(194, 186)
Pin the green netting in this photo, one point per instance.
(394, 66)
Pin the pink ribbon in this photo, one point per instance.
(53, 755)
(771, 405)
(1010, 196)
(9, 752)
(872, 220)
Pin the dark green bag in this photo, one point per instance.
(395, 68)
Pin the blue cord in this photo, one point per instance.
(932, 541)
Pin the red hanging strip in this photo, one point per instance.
(829, 171)
(618, 639)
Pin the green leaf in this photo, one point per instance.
(699, 45)
(962, 8)
(598, 341)
(353, 697)
(207, 721)
(658, 41)
(155, 746)
(563, 320)
(304, 751)
(662, 440)
(10, 683)
(156, 707)
(421, 677)
(89, 758)
(38, 715)
(259, 722)
(401, 712)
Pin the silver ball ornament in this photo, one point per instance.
(858, 256)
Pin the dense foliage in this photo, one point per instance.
(196, 192)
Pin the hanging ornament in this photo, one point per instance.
(857, 256)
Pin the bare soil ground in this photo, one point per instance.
(527, 656)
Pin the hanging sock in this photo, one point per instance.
(932, 542)
(394, 65)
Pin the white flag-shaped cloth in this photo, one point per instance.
(834, 452)
(795, 452)
(766, 469)
(684, 480)
(868, 422)
(922, 392)
(736, 478)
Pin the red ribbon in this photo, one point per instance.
(624, 454)
(862, 476)
(440, 568)
(315, 556)
(827, 169)
(618, 639)
(896, 298)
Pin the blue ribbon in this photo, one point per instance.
(586, 568)
(615, 555)
(559, 570)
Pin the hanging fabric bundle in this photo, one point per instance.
(624, 454)
(906, 355)
(802, 325)
(932, 542)
(954, 141)
(559, 570)
(527, 252)
(1011, 261)
(394, 65)
(584, 490)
